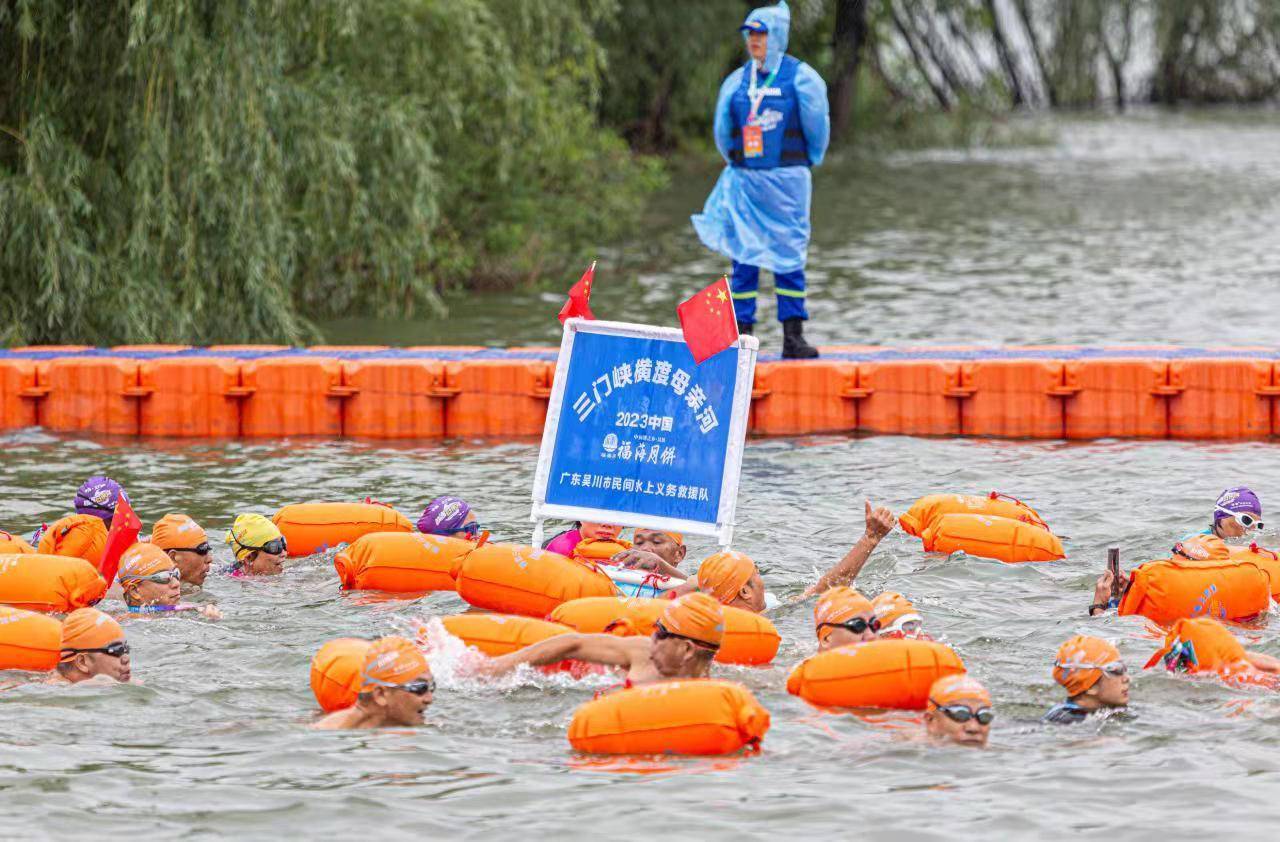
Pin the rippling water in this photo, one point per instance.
(1147, 228)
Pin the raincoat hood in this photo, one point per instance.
(778, 20)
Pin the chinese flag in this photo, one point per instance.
(579, 303)
(708, 321)
(123, 534)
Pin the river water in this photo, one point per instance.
(1148, 228)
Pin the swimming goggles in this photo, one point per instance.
(471, 529)
(660, 633)
(857, 625)
(1115, 669)
(418, 687)
(118, 649)
(963, 713)
(203, 549)
(276, 546)
(1245, 519)
(164, 577)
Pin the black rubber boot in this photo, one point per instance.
(793, 345)
(746, 328)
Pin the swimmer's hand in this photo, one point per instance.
(644, 560)
(1266, 663)
(1102, 593)
(209, 612)
(880, 522)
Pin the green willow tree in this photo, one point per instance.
(198, 170)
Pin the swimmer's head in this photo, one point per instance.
(599, 531)
(732, 578)
(897, 615)
(149, 577)
(1092, 672)
(449, 516)
(258, 544)
(687, 636)
(1237, 512)
(396, 682)
(957, 706)
(843, 616)
(186, 543)
(93, 644)
(98, 496)
(668, 546)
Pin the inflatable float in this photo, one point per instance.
(310, 528)
(894, 674)
(28, 641)
(49, 583)
(400, 562)
(514, 579)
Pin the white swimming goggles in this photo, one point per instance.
(907, 624)
(1115, 669)
(1245, 519)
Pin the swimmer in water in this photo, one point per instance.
(566, 542)
(683, 645)
(93, 644)
(1094, 676)
(452, 517)
(959, 711)
(98, 496)
(151, 584)
(1237, 513)
(898, 617)
(843, 616)
(656, 550)
(187, 544)
(258, 544)
(396, 689)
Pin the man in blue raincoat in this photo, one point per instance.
(772, 124)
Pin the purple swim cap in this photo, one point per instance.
(1234, 501)
(98, 497)
(443, 516)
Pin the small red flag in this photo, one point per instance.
(708, 321)
(579, 303)
(123, 534)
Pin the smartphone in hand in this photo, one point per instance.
(1113, 564)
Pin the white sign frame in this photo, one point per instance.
(722, 529)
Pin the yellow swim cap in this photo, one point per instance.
(251, 532)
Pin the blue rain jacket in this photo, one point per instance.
(761, 216)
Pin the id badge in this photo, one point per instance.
(752, 141)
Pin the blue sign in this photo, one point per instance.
(641, 429)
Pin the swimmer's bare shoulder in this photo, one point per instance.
(340, 720)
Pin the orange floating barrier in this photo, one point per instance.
(694, 717)
(400, 562)
(749, 638)
(926, 510)
(190, 397)
(1221, 399)
(911, 397)
(49, 583)
(292, 396)
(10, 543)
(335, 672)
(501, 634)
(798, 398)
(511, 579)
(1171, 589)
(497, 397)
(395, 398)
(93, 394)
(309, 528)
(20, 394)
(1116, 398)
(895, 674)
(1012, 398)
(78, 536)
(988, 536)
(28, 641)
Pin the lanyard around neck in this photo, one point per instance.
(757, 98)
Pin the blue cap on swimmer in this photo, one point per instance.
(1234, 501)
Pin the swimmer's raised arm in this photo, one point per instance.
(604, 649)
(880, 523)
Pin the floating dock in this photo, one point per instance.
(248, 391)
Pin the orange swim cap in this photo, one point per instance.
(697, 617)
(723, 574)
(178, 532)
(88, 628)
(962, 687)
(80, 536)
(1199, 645)
(142, 560)
(838, 605)
(13, 544)
(1078, 664)
(893, 609)
(392, 661)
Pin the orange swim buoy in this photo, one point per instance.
(894, 673)
(400, 562)
(335, 672)
(500, 634)
(28, 641)
(10, 543)
(1268, 560)
(309, 528)
(512, 579)
(694, 717)
(1171, 589)
(599, 550)
(989, 536)
(928, 509)
(1204, 646)
(49, 583)
(78, 536)
(749, 638)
